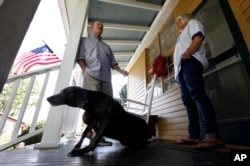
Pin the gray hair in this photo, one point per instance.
(185, 17)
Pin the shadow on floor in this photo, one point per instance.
(159, 153)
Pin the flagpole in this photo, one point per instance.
(47, 46)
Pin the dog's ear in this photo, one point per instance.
(82, 98)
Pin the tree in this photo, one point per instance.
(17, 103)
(123, 91)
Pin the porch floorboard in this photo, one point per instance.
(159, 153)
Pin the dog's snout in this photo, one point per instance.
(56, 100)
(51, 100)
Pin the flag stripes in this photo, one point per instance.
(39, 56)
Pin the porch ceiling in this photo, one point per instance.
(129, 25)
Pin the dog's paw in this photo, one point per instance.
(75, 152)
(78, 152)
(77, 146)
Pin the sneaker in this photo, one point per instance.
(103, 142)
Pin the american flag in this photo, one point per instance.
(39, 56)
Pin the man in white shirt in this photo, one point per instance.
(189, 64)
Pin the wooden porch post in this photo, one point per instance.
(52, 131)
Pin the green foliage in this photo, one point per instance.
(36, 138)
(39, 125)
(122, 94)
(4, 96)
(123, 91)
(17, 103)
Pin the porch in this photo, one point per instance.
(160, 152)
(173, 119)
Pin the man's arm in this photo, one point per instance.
(82, 64)
(117, 68)
(194, 46)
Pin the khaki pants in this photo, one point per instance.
(93, 84)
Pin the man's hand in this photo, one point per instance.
(82, 65)
(123, 72)
(194, 46)
(185, 56)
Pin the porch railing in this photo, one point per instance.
(16, 81)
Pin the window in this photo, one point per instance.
(154, 52)
(164, 45)
(168, 79)
(218, 36)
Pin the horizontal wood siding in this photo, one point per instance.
(172, 117)
(137, 80)
(186, 6)
(241, 10)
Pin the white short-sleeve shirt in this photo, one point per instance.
(192, 28)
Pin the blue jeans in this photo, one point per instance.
(195, 99)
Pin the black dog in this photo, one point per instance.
(106, 116)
